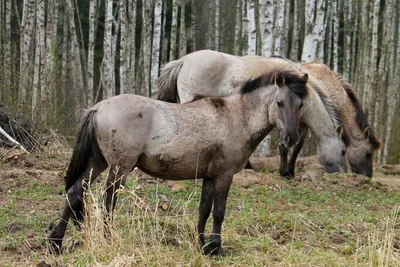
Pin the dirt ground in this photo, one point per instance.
(21, 176)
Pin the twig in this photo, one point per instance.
(12, 140)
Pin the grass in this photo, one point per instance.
(277, 224)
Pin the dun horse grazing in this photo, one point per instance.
(213, 73)
(362, 140)
(209, 138)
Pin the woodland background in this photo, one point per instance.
(58, 57)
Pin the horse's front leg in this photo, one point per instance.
(222, 185)
(207, 197)
(283, 167)
(296, 150)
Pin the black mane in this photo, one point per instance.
(292, 80)
(360, 116)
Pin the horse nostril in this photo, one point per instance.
(287, 139)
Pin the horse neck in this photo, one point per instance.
(256, 108)
(318, 119)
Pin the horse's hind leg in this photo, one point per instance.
(206, 200)
(73, 204)
(222, 185)
(296, 150)
(116, 177)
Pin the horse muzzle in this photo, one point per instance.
(289, 140)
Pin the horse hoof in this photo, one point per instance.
(55, 246)
(218, 252)
(287, 175)
(211, 250)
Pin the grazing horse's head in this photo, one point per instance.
(287, 106)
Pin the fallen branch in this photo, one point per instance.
(12, 140)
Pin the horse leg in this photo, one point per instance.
(283, 167)
(222, 185)
(116, 177)
(207, 197)
(296, 150)
(73, 204)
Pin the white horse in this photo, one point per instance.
(212, 73)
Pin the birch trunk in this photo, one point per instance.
(155, 58)
(266, 26)
(293, 53)
(335, 34)
(314, 30)
(216, 26)
(238, 27)
(7, 54)
(91, 44)
(39, 43)
(279, 21)
(182, 31)
(107, 79)
(348, 24)
(146, 46)
(79, 97)
(28, 22)
(132, 48)
(174, 30)
(124, 50)
(252, 40)
(245, 30)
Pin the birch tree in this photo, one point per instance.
(146, 46)
(132, 48)
(91, 44)
(182, 31)
(279, 21)
(251, 18)
(155, 62)
(108, 71)
(174, 30)
(314, 30)
(266, 26)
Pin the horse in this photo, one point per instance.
(363, 141)
(210, 138)
(214, 73)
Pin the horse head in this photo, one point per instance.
(287, 106)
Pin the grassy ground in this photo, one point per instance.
(315, 220)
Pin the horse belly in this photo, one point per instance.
(171, 168)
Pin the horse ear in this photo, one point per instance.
(367, 132)
(304, 78)
(280, 79)
(339, 130)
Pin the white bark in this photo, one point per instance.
(216, 27)
(293, 53)
(132, 49)
(155, 61)
(238, 26)
(38, 68)
(335, 33)
(7, 51)
(108, 81)
(28, 17)
(279, 21)
(146, 45)
(252, 39)
(266, 16)
(348, 15)
(174, 30)
(124, 51)
(314, 29)
(91, 44)
(12, 140)
(182, 32)
(77, 68)
(245, 24)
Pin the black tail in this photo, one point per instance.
(168, 82)
(86, 147)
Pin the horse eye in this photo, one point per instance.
(280, 104)
(343, 152)
(301, 105)
(369, 154)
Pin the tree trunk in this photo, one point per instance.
(174, 30)
(132, 11)
(252, 40)
(155, 58)
(91, 45)
(279, 21)
(266, 26)
(238, 27)
(108, 71)
(182, 31)
(216, 26)
(146, 46)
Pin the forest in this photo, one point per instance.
(58, 57)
